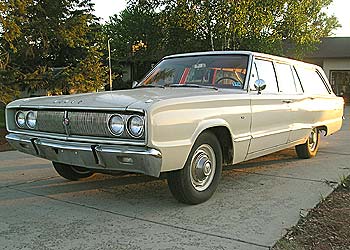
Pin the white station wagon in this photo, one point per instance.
(190, 116)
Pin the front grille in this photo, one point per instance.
(79, 123)
(90, 124)
(50, 121)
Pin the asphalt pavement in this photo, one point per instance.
(256, 202)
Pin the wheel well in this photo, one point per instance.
(225, 139)
(324, 129)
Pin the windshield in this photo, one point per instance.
(221, 71)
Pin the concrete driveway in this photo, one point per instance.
(254, 205)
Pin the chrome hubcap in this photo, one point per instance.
(203, 165)
(313, 139)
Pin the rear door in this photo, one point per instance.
(291, 93)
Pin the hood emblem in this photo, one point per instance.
(67, 101)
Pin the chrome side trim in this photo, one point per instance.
(259, 135)
(245, 138)
(252, 136)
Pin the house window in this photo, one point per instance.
(340, 81)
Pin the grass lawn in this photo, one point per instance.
(2, 117)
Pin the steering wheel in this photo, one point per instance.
(226, 78)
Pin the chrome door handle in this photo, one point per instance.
(287, 101)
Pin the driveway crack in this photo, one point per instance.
(334, 153)
(328, 182)
(28, 182)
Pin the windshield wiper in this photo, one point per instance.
(149, 86)
(190, 85)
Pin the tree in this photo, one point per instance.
(136, 38)
(54, 45)
(258, 25)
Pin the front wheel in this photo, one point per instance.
(310, 147)
(70, 172)
(199, 178)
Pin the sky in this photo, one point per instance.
(107, 8)
(339, 8)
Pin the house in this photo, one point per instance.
(333, 55)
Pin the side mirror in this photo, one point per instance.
(134, 84)
(260, 85)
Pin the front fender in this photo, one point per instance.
(174, 125)
(176, 139)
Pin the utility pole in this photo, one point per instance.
(110, 65)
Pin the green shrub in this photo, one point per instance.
(2, 117)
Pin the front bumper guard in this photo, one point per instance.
(98, 157)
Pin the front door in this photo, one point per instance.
(270, 110)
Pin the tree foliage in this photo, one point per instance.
(171, 26)
(50, 44)
(135, 36)
(59, 46)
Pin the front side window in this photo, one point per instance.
(253, 77)
(266, 72)
(222, 71)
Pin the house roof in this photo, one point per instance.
(332, 47)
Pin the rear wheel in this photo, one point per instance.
(199, 178)
(70, 172)
(310, 147)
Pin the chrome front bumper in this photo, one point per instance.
(98, 157)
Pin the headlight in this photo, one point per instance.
(116, 124)
(20, 119)
(31, 119)
(135, 126)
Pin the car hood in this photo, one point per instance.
(121, 99)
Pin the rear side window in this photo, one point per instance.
(266, 72)
(285, 77)
(311, 81)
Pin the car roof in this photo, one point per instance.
(248, 53)
(205, 53)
